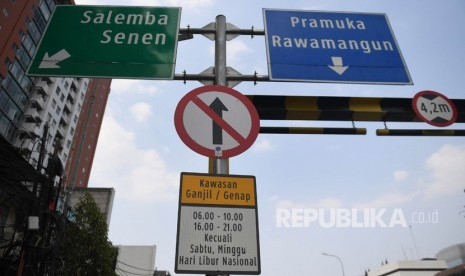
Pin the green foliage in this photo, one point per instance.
(86, 249)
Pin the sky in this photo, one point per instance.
(140, 154)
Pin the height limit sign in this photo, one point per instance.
(216, 121)
(217, 225)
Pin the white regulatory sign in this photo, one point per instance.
(217, 239)
(217, 225)
(434, 108)
(217, 121)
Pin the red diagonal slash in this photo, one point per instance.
(222, 123)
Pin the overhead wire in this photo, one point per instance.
(134, 273)
(135, 267)
(119, 270)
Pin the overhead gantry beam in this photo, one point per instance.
(346, 109)
(340, 108)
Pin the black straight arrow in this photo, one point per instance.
(218, 107)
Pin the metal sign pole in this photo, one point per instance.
(220, 166)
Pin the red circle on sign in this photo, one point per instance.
(428, 113)
(244, 142)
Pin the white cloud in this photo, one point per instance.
(385, 201)
(263, 145)
(447, 171)
(400, 175)
(325, 203)
(190, 4)
(133, 87)
(446, 175)
(236, 48)
(136, 174)
(141, 111)
(273, 198)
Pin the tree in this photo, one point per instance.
(86, 249)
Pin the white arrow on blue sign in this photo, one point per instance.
(342, 47)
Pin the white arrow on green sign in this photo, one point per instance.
(109, 41)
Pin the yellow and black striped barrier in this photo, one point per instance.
(340, 108)
(346, 109)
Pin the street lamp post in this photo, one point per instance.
(339, 259)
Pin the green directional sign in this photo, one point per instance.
(109, 41)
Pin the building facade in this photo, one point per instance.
(136, 259)
(425, 267)
(454, 255)
(45, 124)
(34, 107)
(103, 197)
(81, 154)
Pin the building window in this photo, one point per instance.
(58, 90)
(62, 97)
(54, 103)
(68, 144)
(39, 19)
(51, 4)
(28, 44)
(58, 110)
(34, 31)
(75, 118)
(44, 9)
(4, 99)
(17, 71)
(66, 85)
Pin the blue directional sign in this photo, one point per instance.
(343, 47)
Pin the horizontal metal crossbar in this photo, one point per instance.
(211, 77)
(420, 132)
(190, 31)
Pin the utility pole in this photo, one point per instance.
(34, 207)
